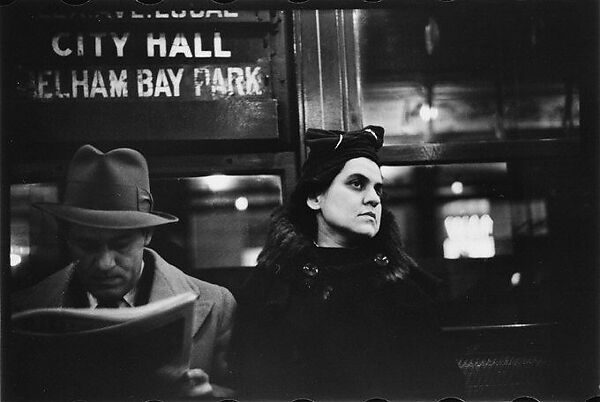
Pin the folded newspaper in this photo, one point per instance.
(78, 353)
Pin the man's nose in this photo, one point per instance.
(105, 258)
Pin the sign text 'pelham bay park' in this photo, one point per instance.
(177, 64)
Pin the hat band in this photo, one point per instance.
(109, 197)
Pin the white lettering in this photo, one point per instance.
(180, 45)
(229, 14)
(76, 83)
(201, 79)
(79, 45)
(235, 80)
(136, 15)
(218, 13)
(98, 86)
(161, 15)
(144, 83)
(198, 52)
(56, 45)
(41, 84)
(118, 86)
(197, 14)
(219, 52)
(252, 84)
(176, 79)
(98, 43)
(119, 42)
(57, 91)
(161, 42)
(180, 14)
(162, 84)
(218, 82)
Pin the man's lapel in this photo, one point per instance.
(70, 292)
(163, 288)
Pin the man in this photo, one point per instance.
(108, 221)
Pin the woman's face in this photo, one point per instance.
(350, 208)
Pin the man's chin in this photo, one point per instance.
(103, 293)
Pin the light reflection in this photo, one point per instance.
(469, 236)
(241, 203)
(515, 279)
(15, 259)
(219, 182)
(428, 113)
(457, 187)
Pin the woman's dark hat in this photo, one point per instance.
(330, 148)
(108, 190)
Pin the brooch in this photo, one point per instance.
(310, 272)
(381, 260)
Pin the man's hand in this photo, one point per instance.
(196, 384)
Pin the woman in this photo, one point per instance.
(335, 307)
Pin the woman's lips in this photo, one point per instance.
(369, 214)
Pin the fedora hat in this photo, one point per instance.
(108, 190)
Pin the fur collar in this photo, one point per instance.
(286, 248)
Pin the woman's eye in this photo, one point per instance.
(356, 184)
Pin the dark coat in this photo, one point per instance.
(317, 322)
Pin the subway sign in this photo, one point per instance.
(115, 55)
(102, 73)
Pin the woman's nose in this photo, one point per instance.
(372, 197)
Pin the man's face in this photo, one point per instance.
(109, 260)
(350, 208)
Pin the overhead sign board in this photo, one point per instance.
(84, 57)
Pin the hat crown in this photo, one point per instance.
(117, 180)
(122, 166)
(331, 148)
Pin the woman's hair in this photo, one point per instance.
(300, 214)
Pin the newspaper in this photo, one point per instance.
(82, 353)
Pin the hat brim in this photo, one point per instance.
(107, 219)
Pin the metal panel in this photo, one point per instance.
(327, 64)
(484, 151)
(160, 120)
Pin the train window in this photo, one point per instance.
(33, 235)
(426, 81)
(470, 111)
(491, 231)
(223, 223)
(223, 219)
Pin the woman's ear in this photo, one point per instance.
(314, 202)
